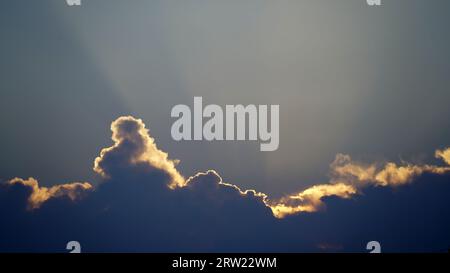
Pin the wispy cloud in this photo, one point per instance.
(444, 154)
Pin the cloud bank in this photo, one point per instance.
(145, 204)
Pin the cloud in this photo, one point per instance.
(444, 154)
(345, 170)
(133, 145)
(309, 200)
(39, 195)
(348, 178)
(211, 182)
(145, 204)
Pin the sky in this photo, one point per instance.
(363, 94)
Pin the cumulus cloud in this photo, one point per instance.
(39, 195)
(133, 145)
(202, 212)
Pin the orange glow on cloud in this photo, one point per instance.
(444, 155)
(309, 200)
(41, 194)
